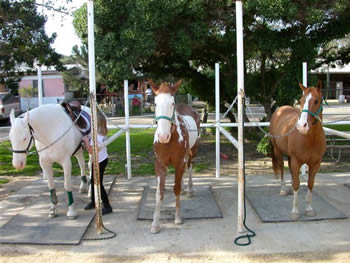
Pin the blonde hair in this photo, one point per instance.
(101, 124)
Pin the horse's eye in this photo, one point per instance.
(316, 101)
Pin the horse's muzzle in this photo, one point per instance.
(19, 165)
(164, 138)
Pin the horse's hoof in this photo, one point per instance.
(72, 214)
(155, 229)
(189, 194)
(52, 215)
(83, 190)
(310, 213)
(294, 216)
(178, 221)
(284, 192)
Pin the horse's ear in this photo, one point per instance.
(153, 86)
(302, 87)
(176, 86)
(12, 116)
(319, 86)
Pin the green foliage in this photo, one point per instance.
(264, 146)
(23, 39)
(172, 39)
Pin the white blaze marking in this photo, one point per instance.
(303, 116)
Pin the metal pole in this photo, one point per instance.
(240, 91)
(128, 154)
(92, 85)
(217, 118)
(304, 166)
(40, 86)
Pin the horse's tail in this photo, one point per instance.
(275, 166)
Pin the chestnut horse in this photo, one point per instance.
(299, 135)
(176, 142)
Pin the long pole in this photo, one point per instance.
(128, 152)
(92, 85)
(240, 91)
(217, 118)
(40, 86)
(304, 166)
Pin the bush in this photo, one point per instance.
(264, 146)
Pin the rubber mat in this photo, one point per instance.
(271, 207)
(201, 205)
(33, 226)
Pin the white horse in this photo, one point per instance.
(56, 139)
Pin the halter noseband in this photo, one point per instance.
(315, 114)
(29, 144)
(172, 119)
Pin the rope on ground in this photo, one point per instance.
(251, 233)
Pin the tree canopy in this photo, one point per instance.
(23, 41)
(172, 39)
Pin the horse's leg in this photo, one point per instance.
(67, 169)
(83, 181)
(285, 190)
(189, 191)
(180, 169)
(161, 174)
(295, 169)
(310, 184)
(278, 166)
(48, 173)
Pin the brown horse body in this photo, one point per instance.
(299, 135)
(177, 144)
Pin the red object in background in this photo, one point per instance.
(224, 156)
(135, 101)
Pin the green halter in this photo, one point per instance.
(315, 114)
(172, 119)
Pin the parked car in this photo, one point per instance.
(7, 103)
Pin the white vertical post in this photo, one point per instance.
(40, 86)
(217, 118)
(304, 166)
(240, 90)
(92, 85)
(126, 103)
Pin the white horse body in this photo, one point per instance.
(56, 139)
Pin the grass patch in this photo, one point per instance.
(4, 181)
(142, 157)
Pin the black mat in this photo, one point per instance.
(348, 185)
(201, 205)
(271, 207)
(32, 225)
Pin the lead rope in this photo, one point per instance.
(251, 233)
(97, 186)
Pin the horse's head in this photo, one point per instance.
(311, 107)
(165, 109)
(21, 139)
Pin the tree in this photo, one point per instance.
(183, 39)
(23, 39)
(77, 78)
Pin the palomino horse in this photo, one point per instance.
(299, 135)
(176, 142)
(56, 140)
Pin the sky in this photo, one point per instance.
(63, 26)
